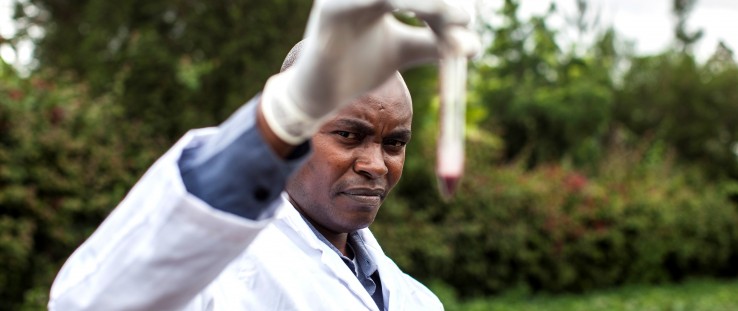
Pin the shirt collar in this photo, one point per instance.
(367, 266)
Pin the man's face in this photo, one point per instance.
(357, 159)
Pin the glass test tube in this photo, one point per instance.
(452, 117)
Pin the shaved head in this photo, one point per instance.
(292, 56)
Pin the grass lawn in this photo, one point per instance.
(694, 295)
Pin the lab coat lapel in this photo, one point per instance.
(328, 257)
(392, 285)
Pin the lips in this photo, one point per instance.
(365, 192)
(371, 196)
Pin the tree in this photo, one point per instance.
(549, 103)
(172, 64)
(685, 39)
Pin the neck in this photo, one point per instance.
(337, 239)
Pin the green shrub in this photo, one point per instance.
(65, 162)
(553, 228)
(688, 105)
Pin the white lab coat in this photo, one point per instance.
(164, 249)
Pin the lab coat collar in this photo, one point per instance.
(331, 261)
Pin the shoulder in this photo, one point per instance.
(414, 294)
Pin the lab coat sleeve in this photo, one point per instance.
(162, 246)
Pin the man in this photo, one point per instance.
(206, 228)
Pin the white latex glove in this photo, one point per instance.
(352, 47)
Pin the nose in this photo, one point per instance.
(370, 161)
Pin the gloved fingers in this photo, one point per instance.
(463, 41)
(354, 10)
(421, 45)
(437, 13)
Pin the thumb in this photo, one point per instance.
(422, 45)
(437, 13)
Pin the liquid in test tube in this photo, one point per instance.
(450, 152)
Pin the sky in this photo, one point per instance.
(647, 23)
(650, 23)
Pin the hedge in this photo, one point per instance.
(65, 162)
(553, 228)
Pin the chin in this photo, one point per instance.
(350, 215)
(356, 223)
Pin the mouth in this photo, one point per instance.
(372, 196)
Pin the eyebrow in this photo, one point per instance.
(361, 126)
(400, 134)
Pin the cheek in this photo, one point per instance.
(335, 158)
(300, 181)
(394, 166)
(329, 163)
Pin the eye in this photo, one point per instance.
(395, 143)
(348, 135)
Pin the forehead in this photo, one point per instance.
(389, 102)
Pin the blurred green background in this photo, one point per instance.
(597, 179)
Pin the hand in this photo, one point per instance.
(352, 47)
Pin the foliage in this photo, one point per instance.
(176, 64)
(589, 198)
(549, 103)
(687, 105)
(681, 11)
(65, 160)
(555, 228)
